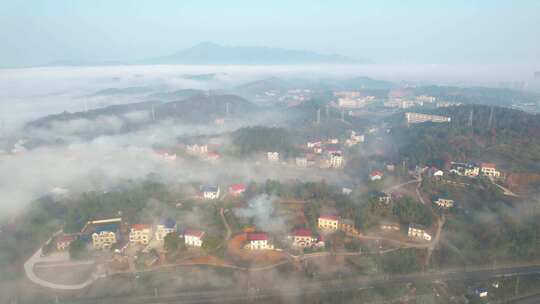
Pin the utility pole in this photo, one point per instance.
(490, 121)
(342, 115)
(327, 111)
(227, 108)
(318, 116)
(153, 114)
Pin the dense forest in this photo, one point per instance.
(257, 139)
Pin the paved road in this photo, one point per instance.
(57, 259)
(315, 287)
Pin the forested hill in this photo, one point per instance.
(509, 138)
(479, 95)
(198, 109)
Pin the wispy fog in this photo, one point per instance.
(30, 93)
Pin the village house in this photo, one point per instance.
(193, 238)
(165, 227)
(418, 232)
(435, 173)
(375, 175)
(444, 203)
(272, 156)
(105, 236)
(196, 149)
(390, 226)
(210, 192)
(303, 238)
(354, 139)
(348, 227)
(237, 189)
(313, 144)
(332, 141)
(301, 162)
(382, 197)
(480, 292)
(328, 222)
(166, 155)
(346, 190)
(258, 241)
(63, 242)
(140, 234)
(335, 160)
(489, 169)
(465, 169)
(212, 156)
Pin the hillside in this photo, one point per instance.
(511, 139)
(115, 119)
(202, 108)
(479, 95)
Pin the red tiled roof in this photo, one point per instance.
(302, 232)
(257, 236)
(375, 173)
(329, 217)
(140, 226)
(238, 187)
(195, 233)
(488, 165)
(66, 238)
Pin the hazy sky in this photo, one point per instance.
(493, 31)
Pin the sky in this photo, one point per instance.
(35, 32)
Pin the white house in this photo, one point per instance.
(375, 175)
(193, 238)
(258, 241)
(272, 156)
(140, 234)
(211, 192)
(165, 227)
(418, 232)
(444, 203)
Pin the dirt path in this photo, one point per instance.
(506, 191)
(436, 239)
(229, 232)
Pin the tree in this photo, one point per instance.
(77, 249)
(171, 242)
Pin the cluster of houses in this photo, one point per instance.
(324, 154)
(106, 233)
(330, 222)
(475, 170)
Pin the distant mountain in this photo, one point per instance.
(211, 53)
